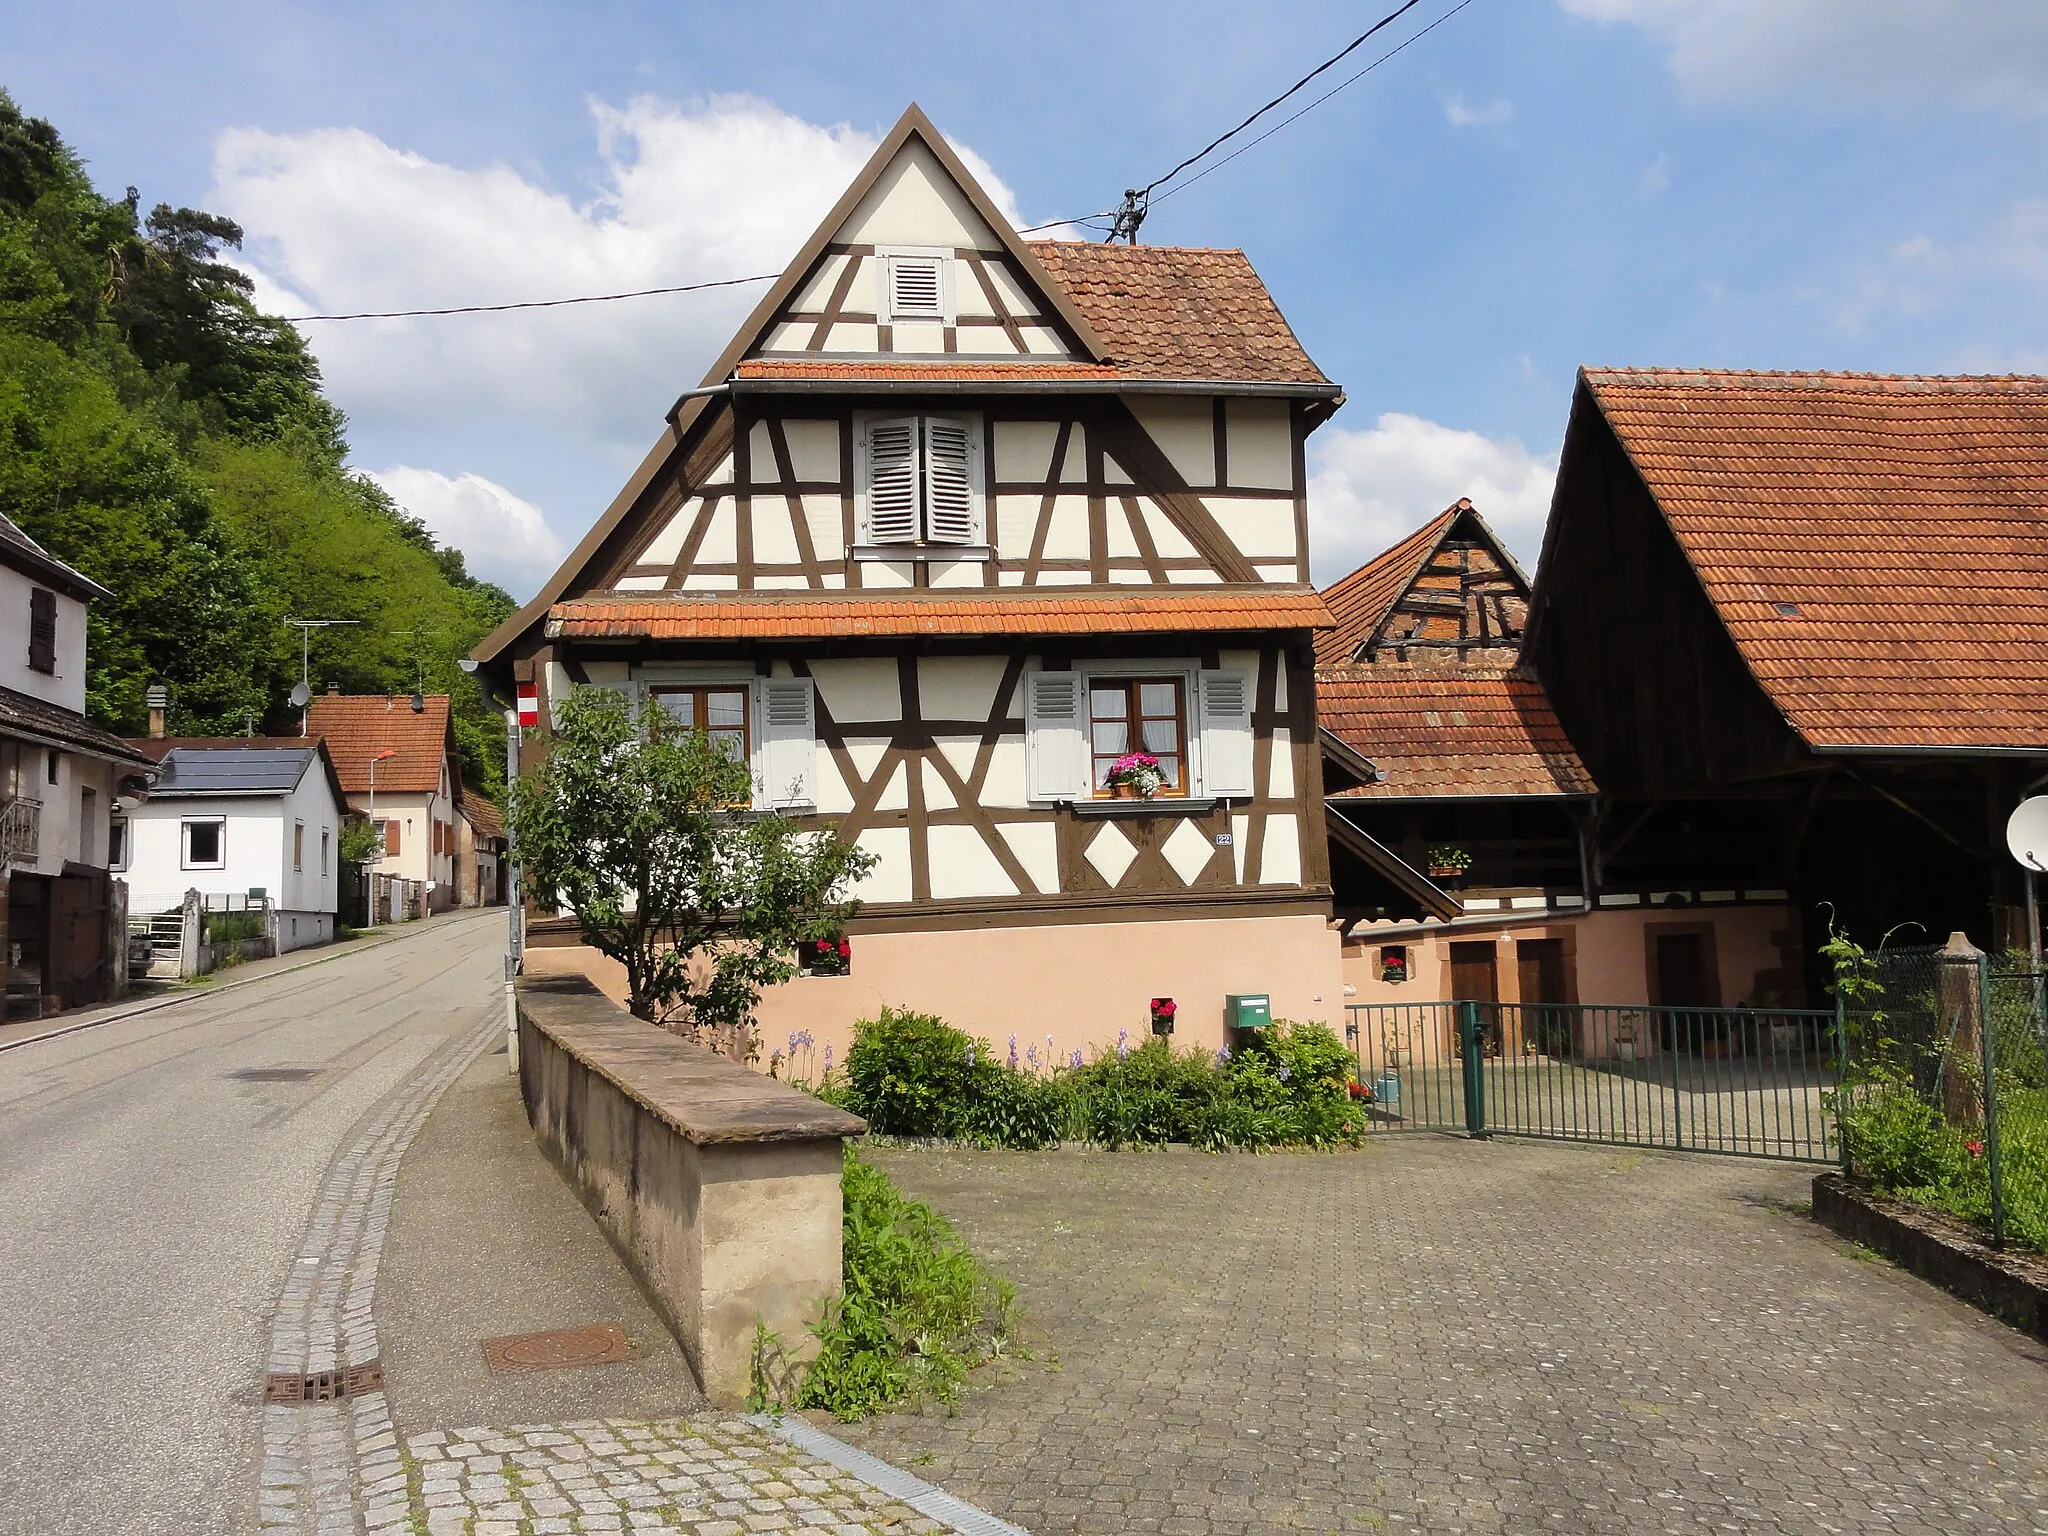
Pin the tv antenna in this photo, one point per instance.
(302, 695)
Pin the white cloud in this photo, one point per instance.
(1656, 177)
(503, 538)
(1492, 115)
(1856, 55)
(1371, 488)
(1923, 274)
(339, 221)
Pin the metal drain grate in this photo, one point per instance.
(594, 1344)
(325, 1386)
(274, 1074)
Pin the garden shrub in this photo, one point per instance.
(913, 1075)
(917, 1311)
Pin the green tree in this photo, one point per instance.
(639, 827)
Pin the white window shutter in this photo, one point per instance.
(788, 737)
(1056, 764)
(1227, 735)
(952, 480)
(888, 500)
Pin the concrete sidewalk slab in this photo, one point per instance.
(486, 1240)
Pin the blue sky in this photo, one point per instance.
(1536, 184)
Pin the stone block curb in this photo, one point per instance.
(2012, 1287)
(955, 1514)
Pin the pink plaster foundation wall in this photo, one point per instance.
(1077, 982)
(1610, 961)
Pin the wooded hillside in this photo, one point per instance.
(172, 442)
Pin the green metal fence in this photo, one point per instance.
(1945, 1098)
(1741, 1081)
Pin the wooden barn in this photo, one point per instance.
(954, 523)
(1463, 822)
(1796, 626)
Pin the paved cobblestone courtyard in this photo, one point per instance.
(1437, 1335)
(716, 1475)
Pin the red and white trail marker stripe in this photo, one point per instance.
(529, 705)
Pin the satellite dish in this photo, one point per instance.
(2026, 832)
(301, 695)
(419, 704)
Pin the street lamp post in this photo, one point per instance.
(379, 857)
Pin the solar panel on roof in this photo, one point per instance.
(231, 770)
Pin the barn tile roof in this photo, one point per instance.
(1877, 546)
(1045, 611)
(869, 371)
(1174, 312)
(357, 726)
(1463, 731)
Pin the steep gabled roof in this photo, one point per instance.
(1135, 316)
(1876, 545)
(483, 816)
(357, 727)
(1363, 602)
(1463, 731)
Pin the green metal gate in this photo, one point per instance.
(1748, 1082)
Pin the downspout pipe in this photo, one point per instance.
(696, 394)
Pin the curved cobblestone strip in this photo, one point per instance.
(317, 1455)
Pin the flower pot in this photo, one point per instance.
(1444, 871)
(1122, 792)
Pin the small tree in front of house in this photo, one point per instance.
(639, 826)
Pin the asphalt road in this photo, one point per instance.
(151, 1201)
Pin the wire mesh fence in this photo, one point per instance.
(1945, 1088)
(1750, 1082)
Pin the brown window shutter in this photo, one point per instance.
(391, 839)
(42, 630)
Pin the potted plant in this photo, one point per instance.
(1447, 861)
(1135, 775)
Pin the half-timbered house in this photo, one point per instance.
(955, 522)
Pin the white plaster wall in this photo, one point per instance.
(1262, 528)
(1024, 450)
(65, 689)
(62, 836)
(958, 687)
(1259, 437)
(961, 865)
(1185, 430)
(813, 449)
(859, 689)
(255, 841)
(914, 202)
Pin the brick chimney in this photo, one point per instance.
(159, 700)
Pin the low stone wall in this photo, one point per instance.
(718, 1186)
(2011, 1286)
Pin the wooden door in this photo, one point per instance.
(1546, 1024)
(1684, 979)
(77, 968)
(1475, 978)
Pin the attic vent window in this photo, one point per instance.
(917, 287)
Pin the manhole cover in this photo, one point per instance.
(274, 1074)
(325, 1386)
(595, 1344)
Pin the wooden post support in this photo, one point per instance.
(1961, 1027)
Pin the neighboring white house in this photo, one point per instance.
(238, 818)
(62, 937)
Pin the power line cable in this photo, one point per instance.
(494, 309)
(1333, 90)
(1330, 63)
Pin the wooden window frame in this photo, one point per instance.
(298, 847)
(697, 692)
(1133, 721)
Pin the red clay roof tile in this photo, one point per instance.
(773, 616)
(357, 726)
(1455, 731)
(1876, 545)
